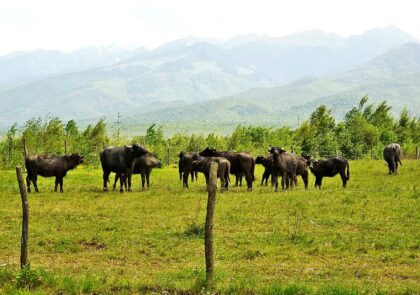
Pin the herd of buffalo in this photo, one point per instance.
(135, 159)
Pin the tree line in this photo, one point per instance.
(363, 132)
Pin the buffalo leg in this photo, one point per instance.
(56, 184)
(61, 184)
(192, 176)
(343, 178)
(122, 182)
(264, 178)
(117, 176)
(143, 180)
(248, 178)
(35, 182)
(305, 179)
(129, 182)
(396, 166)
(318, 182)
(222, 184)
(105, 178)
(275, 182)
(28, 183)
(148, 178)
(185, 179)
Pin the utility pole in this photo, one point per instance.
(298, 121)
(118, 126)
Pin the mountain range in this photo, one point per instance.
(247, 79)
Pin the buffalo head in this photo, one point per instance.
(75, 159)
(273, 149)
(259, 160)
(314, 165)
(138, 150)
(208, 152)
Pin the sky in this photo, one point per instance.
(69, 25)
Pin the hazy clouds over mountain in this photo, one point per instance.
(22, 66)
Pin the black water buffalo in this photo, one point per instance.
(120, 161)
(267, 163)
(240, 163)
(330, 168)
(143, 165)
(392, 155)
(184, 166)
(284, 165)
(302, 170)
(50, 166)
(223, 169)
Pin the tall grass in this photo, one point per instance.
(363, 239)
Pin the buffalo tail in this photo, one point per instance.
(252, 170)
(348, 170)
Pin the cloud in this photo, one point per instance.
(67, 25)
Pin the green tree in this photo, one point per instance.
(53, 137)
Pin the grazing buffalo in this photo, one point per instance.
(284, 165)
(267, 163)
(392, 156)
(185, 165)
(120, 161)
(240, 163)
(223, 169)
(302, 170)
(49, 166)
(329, 168)
(143, 166)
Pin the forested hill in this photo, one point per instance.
(189, 71)
(394, 76)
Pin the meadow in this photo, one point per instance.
(363, 239)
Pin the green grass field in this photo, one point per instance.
(363, 239)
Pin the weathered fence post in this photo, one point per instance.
(65, 147)
(25, 219)
(417, 152)
(208, 231)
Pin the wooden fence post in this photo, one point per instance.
(25, 219)
(208, 231)
(417, 152)
(65, 147)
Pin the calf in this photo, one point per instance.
(240, 163)
(184, 166)
(392, 155)
(50, 166)
(223, 169)
(302, 165)
(284, 165)
(330, 168)
(143, 166)
(120, 161)
(267, 163)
